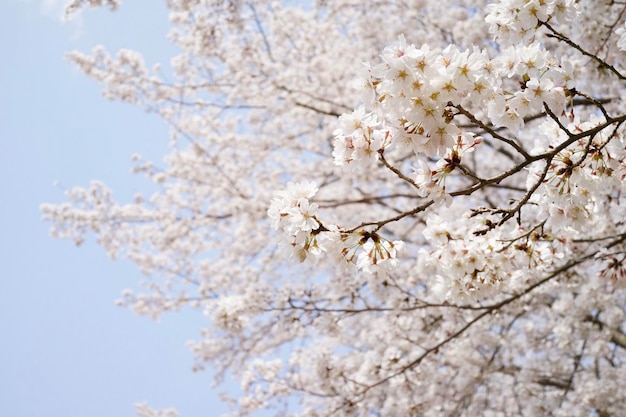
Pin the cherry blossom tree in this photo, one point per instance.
(383, 208)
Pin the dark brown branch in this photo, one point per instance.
(364, 200)
(491, 131)
(318, 110)
(557, 35)
(401, 216)
(396, 170)
(534, 158)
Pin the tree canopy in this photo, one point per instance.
(383, 208)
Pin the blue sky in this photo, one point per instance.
(66, 350)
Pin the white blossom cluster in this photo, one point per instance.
(417, 91)
(574, 187)
(514, 21)
(295, 215)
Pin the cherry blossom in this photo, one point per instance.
(403, 208)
